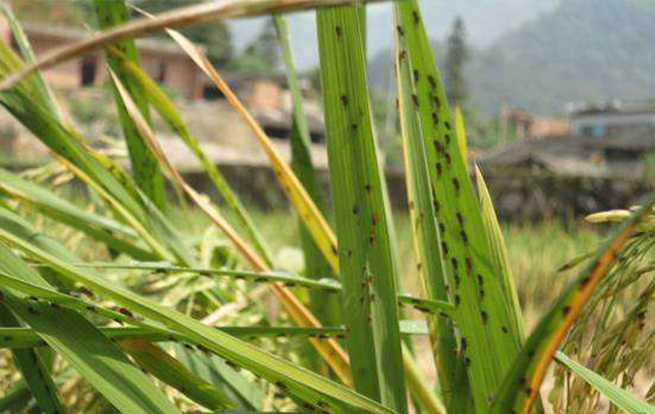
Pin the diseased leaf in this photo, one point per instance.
(367, 268)
(95, 357)
(147, 173)
(483, 313)
(522, 383)
(306, 385)
(623, 399)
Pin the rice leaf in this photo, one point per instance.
(65, 143)
(294, 190)
(95, 357)
(306, 385)
(145, 168)
(487, 344)
(172, 372)
(326, 308)
(424, 227)
(621, 398)
(33, 369)
(51, 205)
(166, 109)
(28, 54)
(329, 349)
(22, 338)
(436, 307)
(367, 268)
(499, 257)
(521, 385)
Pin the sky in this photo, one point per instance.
(485, 20)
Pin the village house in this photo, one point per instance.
(162, 60)
(606, 161)
(612, 118)
(265, 95)
(526, 125)
(608, 139)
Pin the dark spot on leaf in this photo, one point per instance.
(566, 310)
(456, 184)
(416, 17)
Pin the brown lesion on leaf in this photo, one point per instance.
(416, 16)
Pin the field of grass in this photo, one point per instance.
(536, 250)
(125, 300)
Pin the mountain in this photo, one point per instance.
(491, 19)
(586, 50)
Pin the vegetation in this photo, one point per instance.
(120, 301)
(214, 36)
(602, 53)
(456, 57)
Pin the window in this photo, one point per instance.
(88, 71)
(212, 93)
(161, 72)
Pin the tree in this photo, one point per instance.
(215, 35)
(262, 54)
(456, 57)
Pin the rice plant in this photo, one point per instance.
(156, 317)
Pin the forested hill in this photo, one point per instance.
(583, 50)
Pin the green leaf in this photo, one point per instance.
(101, 174)
(326, 308)
(424, 305)
(521, 385)
(367, 268)
(49, 204)
(487, 343)
(424, 227)
(21, 338)
(33, 369)
(306, 385)
(166, 109)
(330, 349)
(26, 49)
(145, 168)
(621, 398)
(95, 357)
(172, 372)
(499, 256)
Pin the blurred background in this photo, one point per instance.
(557, 97)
